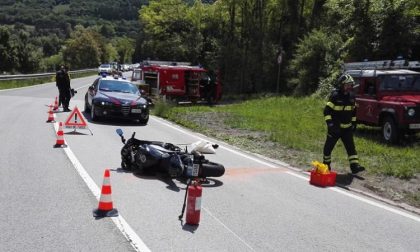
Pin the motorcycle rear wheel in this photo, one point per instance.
(211, 169)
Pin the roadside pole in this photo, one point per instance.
(279, 60)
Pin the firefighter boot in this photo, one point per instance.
(356, 168)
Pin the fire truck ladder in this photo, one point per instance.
(382, 65)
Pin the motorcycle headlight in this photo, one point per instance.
(411, 112)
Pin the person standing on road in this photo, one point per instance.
(63, 83)
(340, 116)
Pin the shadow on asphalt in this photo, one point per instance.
(170, 183)
(344, 180)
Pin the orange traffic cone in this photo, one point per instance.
(60, 137)
(50, 115)
(105, 208)
(55, 104)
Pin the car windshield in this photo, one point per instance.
(401, 83)
(118, 86)
(105, 66)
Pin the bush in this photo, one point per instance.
(161, 108)
(316, 58)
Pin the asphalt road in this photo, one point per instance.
(48, 194)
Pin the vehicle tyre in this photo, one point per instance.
(125, 159)
(93, 115)
(211, 169)
(86, 109)
(140, 160)
(144, 118)
(390, 131)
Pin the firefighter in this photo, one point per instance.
(340, 116)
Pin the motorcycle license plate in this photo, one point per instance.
(136, 111)
(196, 167)
(414, 126)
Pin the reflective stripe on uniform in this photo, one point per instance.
(339, 108)
(353, 119)
(330, 104)
(345, 125)
(353, 159)
(328, 117)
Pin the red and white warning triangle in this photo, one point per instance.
(75, 120)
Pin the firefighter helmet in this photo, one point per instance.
(344, 79)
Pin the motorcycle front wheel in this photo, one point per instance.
(125, 159)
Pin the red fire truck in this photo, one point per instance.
(388, 96)
(177, 81)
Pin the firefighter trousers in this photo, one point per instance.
(346, 136)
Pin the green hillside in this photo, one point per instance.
(59, 15)
(34, 32)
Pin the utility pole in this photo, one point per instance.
(279, 61)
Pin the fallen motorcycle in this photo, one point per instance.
(142, 156)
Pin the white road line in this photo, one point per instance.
(374, 203)
(119, 221)
(223, 147)
(366, 200)
(228, 229)
(82, 87)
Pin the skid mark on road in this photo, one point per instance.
(243, 173)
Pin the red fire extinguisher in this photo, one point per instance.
(194, 203)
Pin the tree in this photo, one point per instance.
(397, 30)
(316, 53)
(169, 33)
(125, 49)
(85, 48)
(8, 57)
(29, 56)
(363, 31)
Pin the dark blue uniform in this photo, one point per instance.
(340, 116)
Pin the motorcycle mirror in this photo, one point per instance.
(119, 132)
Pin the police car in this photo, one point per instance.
(116, 97)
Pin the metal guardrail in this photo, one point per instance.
(31, 76)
